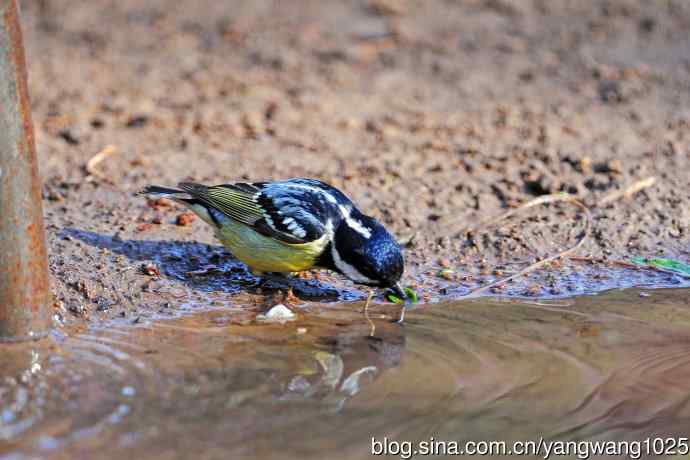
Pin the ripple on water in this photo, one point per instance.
(59, 391)
(614, 366)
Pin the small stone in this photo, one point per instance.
(184, 219)
(150, 270)
(277, 314)
(143, 227)
(158, 203)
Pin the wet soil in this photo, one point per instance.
(609, 367)
(431, 115)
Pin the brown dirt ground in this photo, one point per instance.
(432, 115)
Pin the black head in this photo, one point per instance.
(365, 252)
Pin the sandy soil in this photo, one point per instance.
(432, 115)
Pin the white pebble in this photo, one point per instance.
(278, 313)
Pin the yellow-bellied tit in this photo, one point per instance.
(295, 225)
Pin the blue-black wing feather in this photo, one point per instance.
(294, 211)
(301, 208)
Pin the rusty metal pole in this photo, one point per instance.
(24, 293)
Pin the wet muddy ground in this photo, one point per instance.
(613, 366)
(431, 115)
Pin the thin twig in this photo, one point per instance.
(97, 159)
(630, 265)
(545, 199)
(568, 253)
(541, 200)
(591, 260)
(628, 191)
(558, 197)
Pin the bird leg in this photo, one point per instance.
(366, 313)
(402, 314)
(304, 289)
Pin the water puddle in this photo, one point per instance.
(611, 366)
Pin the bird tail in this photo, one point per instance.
(180, 196)
(157, 191)
(188, 199)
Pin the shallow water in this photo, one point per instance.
(611, 366)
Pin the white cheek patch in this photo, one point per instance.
(354, 224)
(347, 269)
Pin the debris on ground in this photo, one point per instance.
(277, 314)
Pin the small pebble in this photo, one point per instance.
(184, 219)
(150, 270)
(277, 314)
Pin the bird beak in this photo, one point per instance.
(397, 289)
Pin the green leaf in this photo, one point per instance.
(394, 298)
(410, 293)
(665, 264)
(637, 260)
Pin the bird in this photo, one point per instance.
(294, 225)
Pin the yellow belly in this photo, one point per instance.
(264, 254)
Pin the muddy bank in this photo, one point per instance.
(424, 112)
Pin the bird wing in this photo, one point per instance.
(295, 211)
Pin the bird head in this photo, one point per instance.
(364, 251)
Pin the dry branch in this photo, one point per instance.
(541, 200)
(628, 191)
(91, 165)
